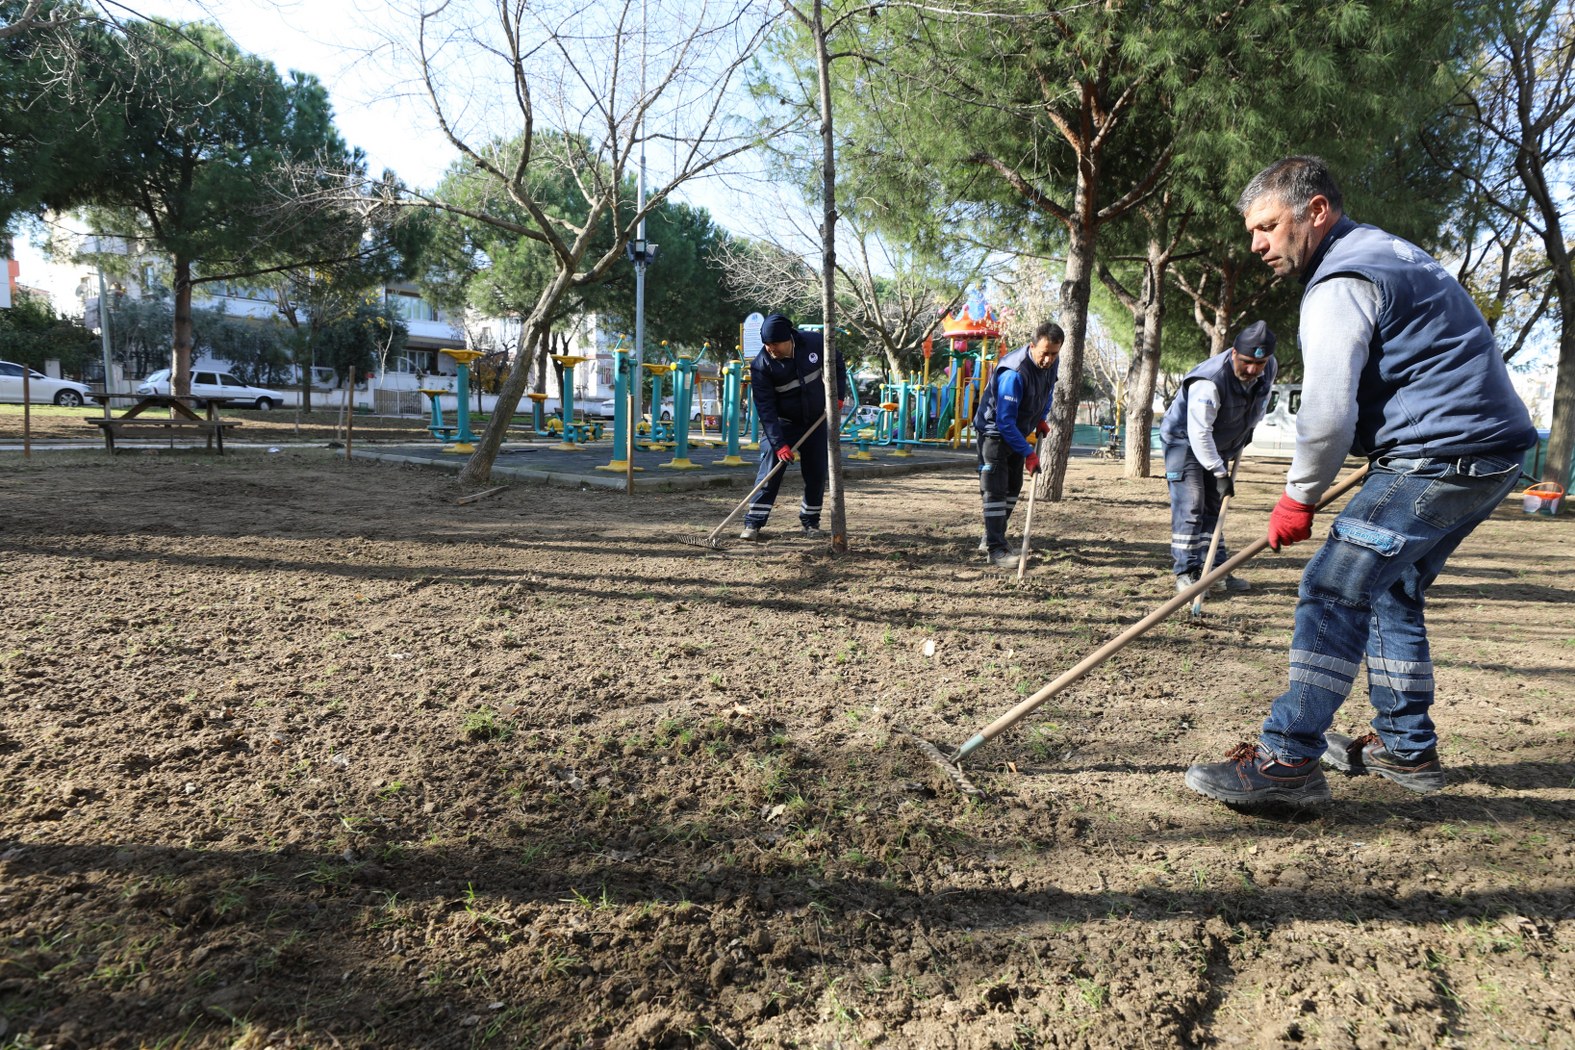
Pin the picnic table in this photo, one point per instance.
(182, 415)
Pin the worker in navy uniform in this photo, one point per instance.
(788, 383)
(1013, 405)
(1207, 426)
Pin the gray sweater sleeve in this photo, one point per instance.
(1339, 317)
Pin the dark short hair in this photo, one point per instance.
(1049, 330)
(1293, 181)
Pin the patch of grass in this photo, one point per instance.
(485, 723)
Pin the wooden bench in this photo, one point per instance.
(119, 427)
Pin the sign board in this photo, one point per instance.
(751, 344)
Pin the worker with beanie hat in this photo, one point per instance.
(1207, 425)
(788, 383)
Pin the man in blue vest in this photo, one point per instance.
(1401, 368)
(787, 381)
(1207, 426)
(1014, 404)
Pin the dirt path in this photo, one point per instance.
(296, 754)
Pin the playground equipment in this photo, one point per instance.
(683, 372)
(439, 430)
(976, 342)
(623, 373)
(951, 766)
(463, 438)
(538, 415)
(573, 433)
(732, 391)
(657, 431)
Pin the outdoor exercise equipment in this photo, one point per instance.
(658, 432)
(463, 438)
(952, 766)
(439, 429)
(684, 369)
(623, 372)
(573, 434)
(538, 415)
(732, 389)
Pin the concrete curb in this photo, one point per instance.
(735, 477)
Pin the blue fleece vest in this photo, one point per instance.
(1435, 384)
(1238, 404)
(1038, 386)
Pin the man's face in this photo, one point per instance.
(1247, 368)
(1286, 243)
(780, 350)
(1045, 352)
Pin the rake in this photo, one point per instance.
(1219, 531)
(952, 766)
(1028, 523)
(710, 539)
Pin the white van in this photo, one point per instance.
(1275, 437)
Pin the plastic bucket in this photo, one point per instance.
(1542, 499)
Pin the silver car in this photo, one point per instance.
(40, 388)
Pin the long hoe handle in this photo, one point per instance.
(1028, 523)
(1219, 530)
(1137, 630)
(711, 538)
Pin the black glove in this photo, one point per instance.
(1224, 486)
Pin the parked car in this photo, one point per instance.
(40, 388)
(217, 385)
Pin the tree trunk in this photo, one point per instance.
(180, 354)
(1144, 373)
(1075, 287)
(828, 286)
(1561, 430)
(536, 331)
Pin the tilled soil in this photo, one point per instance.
(296, 753)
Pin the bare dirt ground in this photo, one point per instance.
(295, 753)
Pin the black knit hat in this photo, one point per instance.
(1255, 341)
(776, 329)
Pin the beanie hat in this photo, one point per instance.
(1255, 341)
(776, 329)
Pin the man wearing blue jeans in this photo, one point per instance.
(1402, 368)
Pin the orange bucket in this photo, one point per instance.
(1543, 498)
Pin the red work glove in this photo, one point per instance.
(1043, 428)
(1289, 522)
(1031, 464)
(785, 454)
(840, 403)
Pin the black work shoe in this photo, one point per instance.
(813, 532)
(1367, 754)
(1252, 776)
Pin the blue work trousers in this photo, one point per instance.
(1362, 597)
(1194, 511)
(812, 463)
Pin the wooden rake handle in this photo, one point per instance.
(1137, 630)
(1219, 532)
(763, 482)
